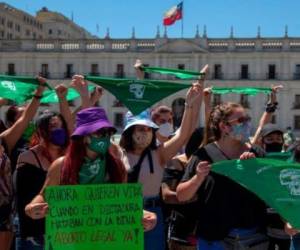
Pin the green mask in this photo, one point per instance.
(29, 131)
(99, 145)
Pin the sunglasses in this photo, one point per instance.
(240, 120)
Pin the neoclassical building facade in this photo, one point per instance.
(257, 61)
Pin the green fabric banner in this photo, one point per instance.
(276, 182)
(18, 88)
(182, 74)
(105, 216)
(49, 96)
(283, 156)
(138, 95)
(241, 90)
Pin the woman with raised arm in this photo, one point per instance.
(145, 161)
(224, 208)
(9, 139)
(48, 143)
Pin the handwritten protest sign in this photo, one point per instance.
(105, 216)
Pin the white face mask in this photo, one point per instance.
(142, 139)
(165, 129)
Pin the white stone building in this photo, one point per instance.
(233, 61)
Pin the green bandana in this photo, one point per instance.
(241, 90)
(50, 96)
(283, 156)
(92, 171)
(276, 182)
(182, 74)
(18, 89)
(138, 95)
(99, 145)
(29, 131)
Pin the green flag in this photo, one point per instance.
(182, 74)
(105, 216)
(138, 95)
(49, 96)
(276, 182)
(18, 88)
(241, 90)
(283, 156)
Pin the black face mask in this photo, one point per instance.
(273, 147)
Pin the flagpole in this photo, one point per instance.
(182, 19)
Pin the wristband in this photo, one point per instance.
(38, 97)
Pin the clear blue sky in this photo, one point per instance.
(218, 15)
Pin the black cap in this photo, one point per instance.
(270, 128)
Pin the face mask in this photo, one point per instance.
(165, 129)
(273, 147)
(99, 145)
(142, 139)
(241, 132)
(58, 137)
(29, 131)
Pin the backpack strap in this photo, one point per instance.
(215, 153)
(134, 172)
(36, 158)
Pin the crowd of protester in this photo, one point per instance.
(186, 205)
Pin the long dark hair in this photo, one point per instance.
(127, 143)
(74, 159)
(219, 113)
(42, 128)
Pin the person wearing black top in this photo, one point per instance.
(224, 208)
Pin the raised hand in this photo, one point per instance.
(194, 94)
(61, 91)
(96, 95)
(79, 84)
(42, 84)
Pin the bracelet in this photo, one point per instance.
(187, 105)
(38, 97)
(271, 108)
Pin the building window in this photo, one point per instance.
(181, 66)
(69, 71)
(2, 34)
(244, 101)
(27, 32)
(218, 71)
(272, 71)
(297, 102)
(216, 100)
(50, 32)
(118, 120)
(11, 69)
(45, 70)
(3, 21)
(120, 71)
(244, 72)
(297, 122)
(297, 72)
(94, 70)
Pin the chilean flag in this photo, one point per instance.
(173, 14)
